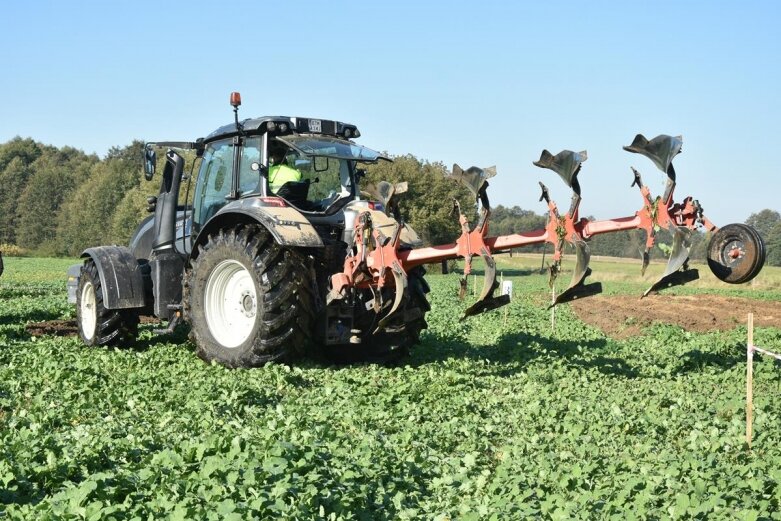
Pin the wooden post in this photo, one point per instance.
(750, 380)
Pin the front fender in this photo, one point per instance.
(287, 225)
(121, 279)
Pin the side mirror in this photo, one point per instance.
(320, 163)
(150, 163)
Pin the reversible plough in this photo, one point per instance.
(736, 252)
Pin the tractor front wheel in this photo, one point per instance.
(247, 299)
(99, 326)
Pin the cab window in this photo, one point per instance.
(214, 181)
(323, 181)
(249, 180)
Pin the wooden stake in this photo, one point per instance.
(750, 380)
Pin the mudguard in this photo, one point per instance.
(287, 225)
(120, 276)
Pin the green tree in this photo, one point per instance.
(55, 174)
(13, 180)
(764, 221)
(773, 245)
(26, 150)
(428, 204)
(129, 213)
(87, 218)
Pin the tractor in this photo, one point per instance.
(263, 271)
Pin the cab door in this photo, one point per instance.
(215, 178)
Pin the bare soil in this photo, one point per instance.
(66, 327)
(53, 327)
(622, 316)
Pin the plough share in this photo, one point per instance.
(736, 252)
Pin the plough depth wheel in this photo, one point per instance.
(736, 253)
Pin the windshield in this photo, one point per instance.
(331, 147)
(310, 183)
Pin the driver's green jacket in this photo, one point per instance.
(281, 174)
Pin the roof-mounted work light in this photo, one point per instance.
(235, 102)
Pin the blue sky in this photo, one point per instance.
(469, 82)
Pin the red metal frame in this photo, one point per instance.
(371, 264)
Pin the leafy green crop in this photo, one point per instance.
(494, 417)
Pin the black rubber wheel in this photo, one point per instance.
(736, 253)
(99, 326)
(393, 344)
(249, 300)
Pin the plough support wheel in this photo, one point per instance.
(736, 253)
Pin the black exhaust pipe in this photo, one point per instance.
(166, 264)
(167, 200)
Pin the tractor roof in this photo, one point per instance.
(284, 125)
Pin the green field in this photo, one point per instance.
(494, 417)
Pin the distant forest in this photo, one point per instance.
(59, 201)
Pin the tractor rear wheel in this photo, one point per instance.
(248, 300)
(99, 326)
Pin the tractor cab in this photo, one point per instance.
(308, 164)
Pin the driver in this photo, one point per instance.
(279, 173)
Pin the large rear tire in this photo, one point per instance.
(248, 300)
(99, 326)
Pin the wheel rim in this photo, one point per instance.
(88, 313)
(733, 253)
(230, 303)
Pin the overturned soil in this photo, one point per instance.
(53, 327)
(622, 316)
(66, 327)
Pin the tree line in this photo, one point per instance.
(59, 201)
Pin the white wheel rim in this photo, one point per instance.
(230, 303)
(88, 312)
